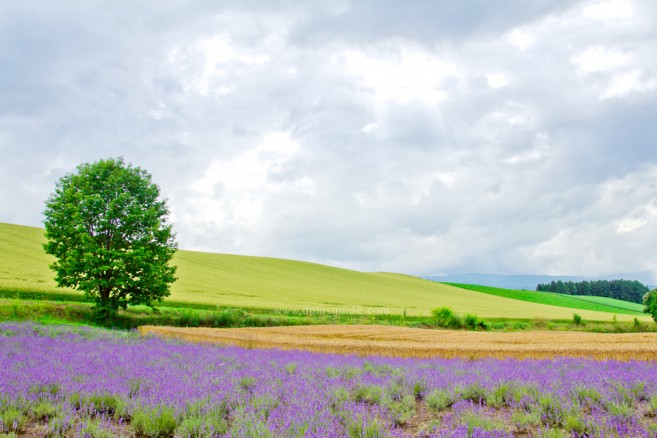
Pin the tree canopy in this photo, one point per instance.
(628, 290)
(108, 229)
(650, 303)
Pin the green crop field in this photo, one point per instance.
(600, 304)
(612, 302)
(220, 279)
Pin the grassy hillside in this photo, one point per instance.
(23, 264)
(612, 302)
(221, 279)
(600, 304)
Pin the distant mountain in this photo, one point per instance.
(529, 282)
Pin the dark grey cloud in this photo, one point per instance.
(435, 137)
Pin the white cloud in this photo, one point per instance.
(629, 225)
(428, 139)
(536, 152)
(609, 10)
(231, 191)
(404, 191)
(627, 82)
(637, 219)
(597, 58)
(497, 80)
(211, 61)
(370, 127)
(401, 76)
(521, 39)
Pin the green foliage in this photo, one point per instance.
(397, 399)
(439, 400)
(523, 419)
(619, 409)
(107, 403)
(442, 315)
(577, 319)
(338, 397)
(472, 322)
(445, 317)
(652, 405)
(45, 389)
(248, 424)
(44, 409)
(419, 389)
(154, 422)
(650, 303)
(627, 290)
(263, 405)
(551, 410)
(371, 394)
(291, 368)
(208, 409)
(358, 428)
(201, 426)
(401, 410)
(584, 396)
(13, 415)
(474, 393)
(230, 318)
(431, 427)
(50, 296)
(247, 383)
(499, 396)
(474, 420)
(554, 433)
(574, 422)
(638, 391)
(93, 428)
(108, 230)
(61, 422)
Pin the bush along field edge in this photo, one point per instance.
(74, 308)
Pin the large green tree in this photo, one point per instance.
(108, 229)
(650, 303)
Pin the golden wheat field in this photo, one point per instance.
(423, 343)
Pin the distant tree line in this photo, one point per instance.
(628, 290)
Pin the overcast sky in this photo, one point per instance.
(423, 137)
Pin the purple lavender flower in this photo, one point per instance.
(85, 381)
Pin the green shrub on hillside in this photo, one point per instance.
(473, 322)
(446, 318)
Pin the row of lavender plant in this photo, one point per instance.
(91, 382)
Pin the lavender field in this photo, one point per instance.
(73, 381)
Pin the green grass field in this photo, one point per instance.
(230, 280)
(612, 302)
(600, 304)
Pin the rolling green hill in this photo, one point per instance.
(284, 284)
(612, 302)
(601, 304)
